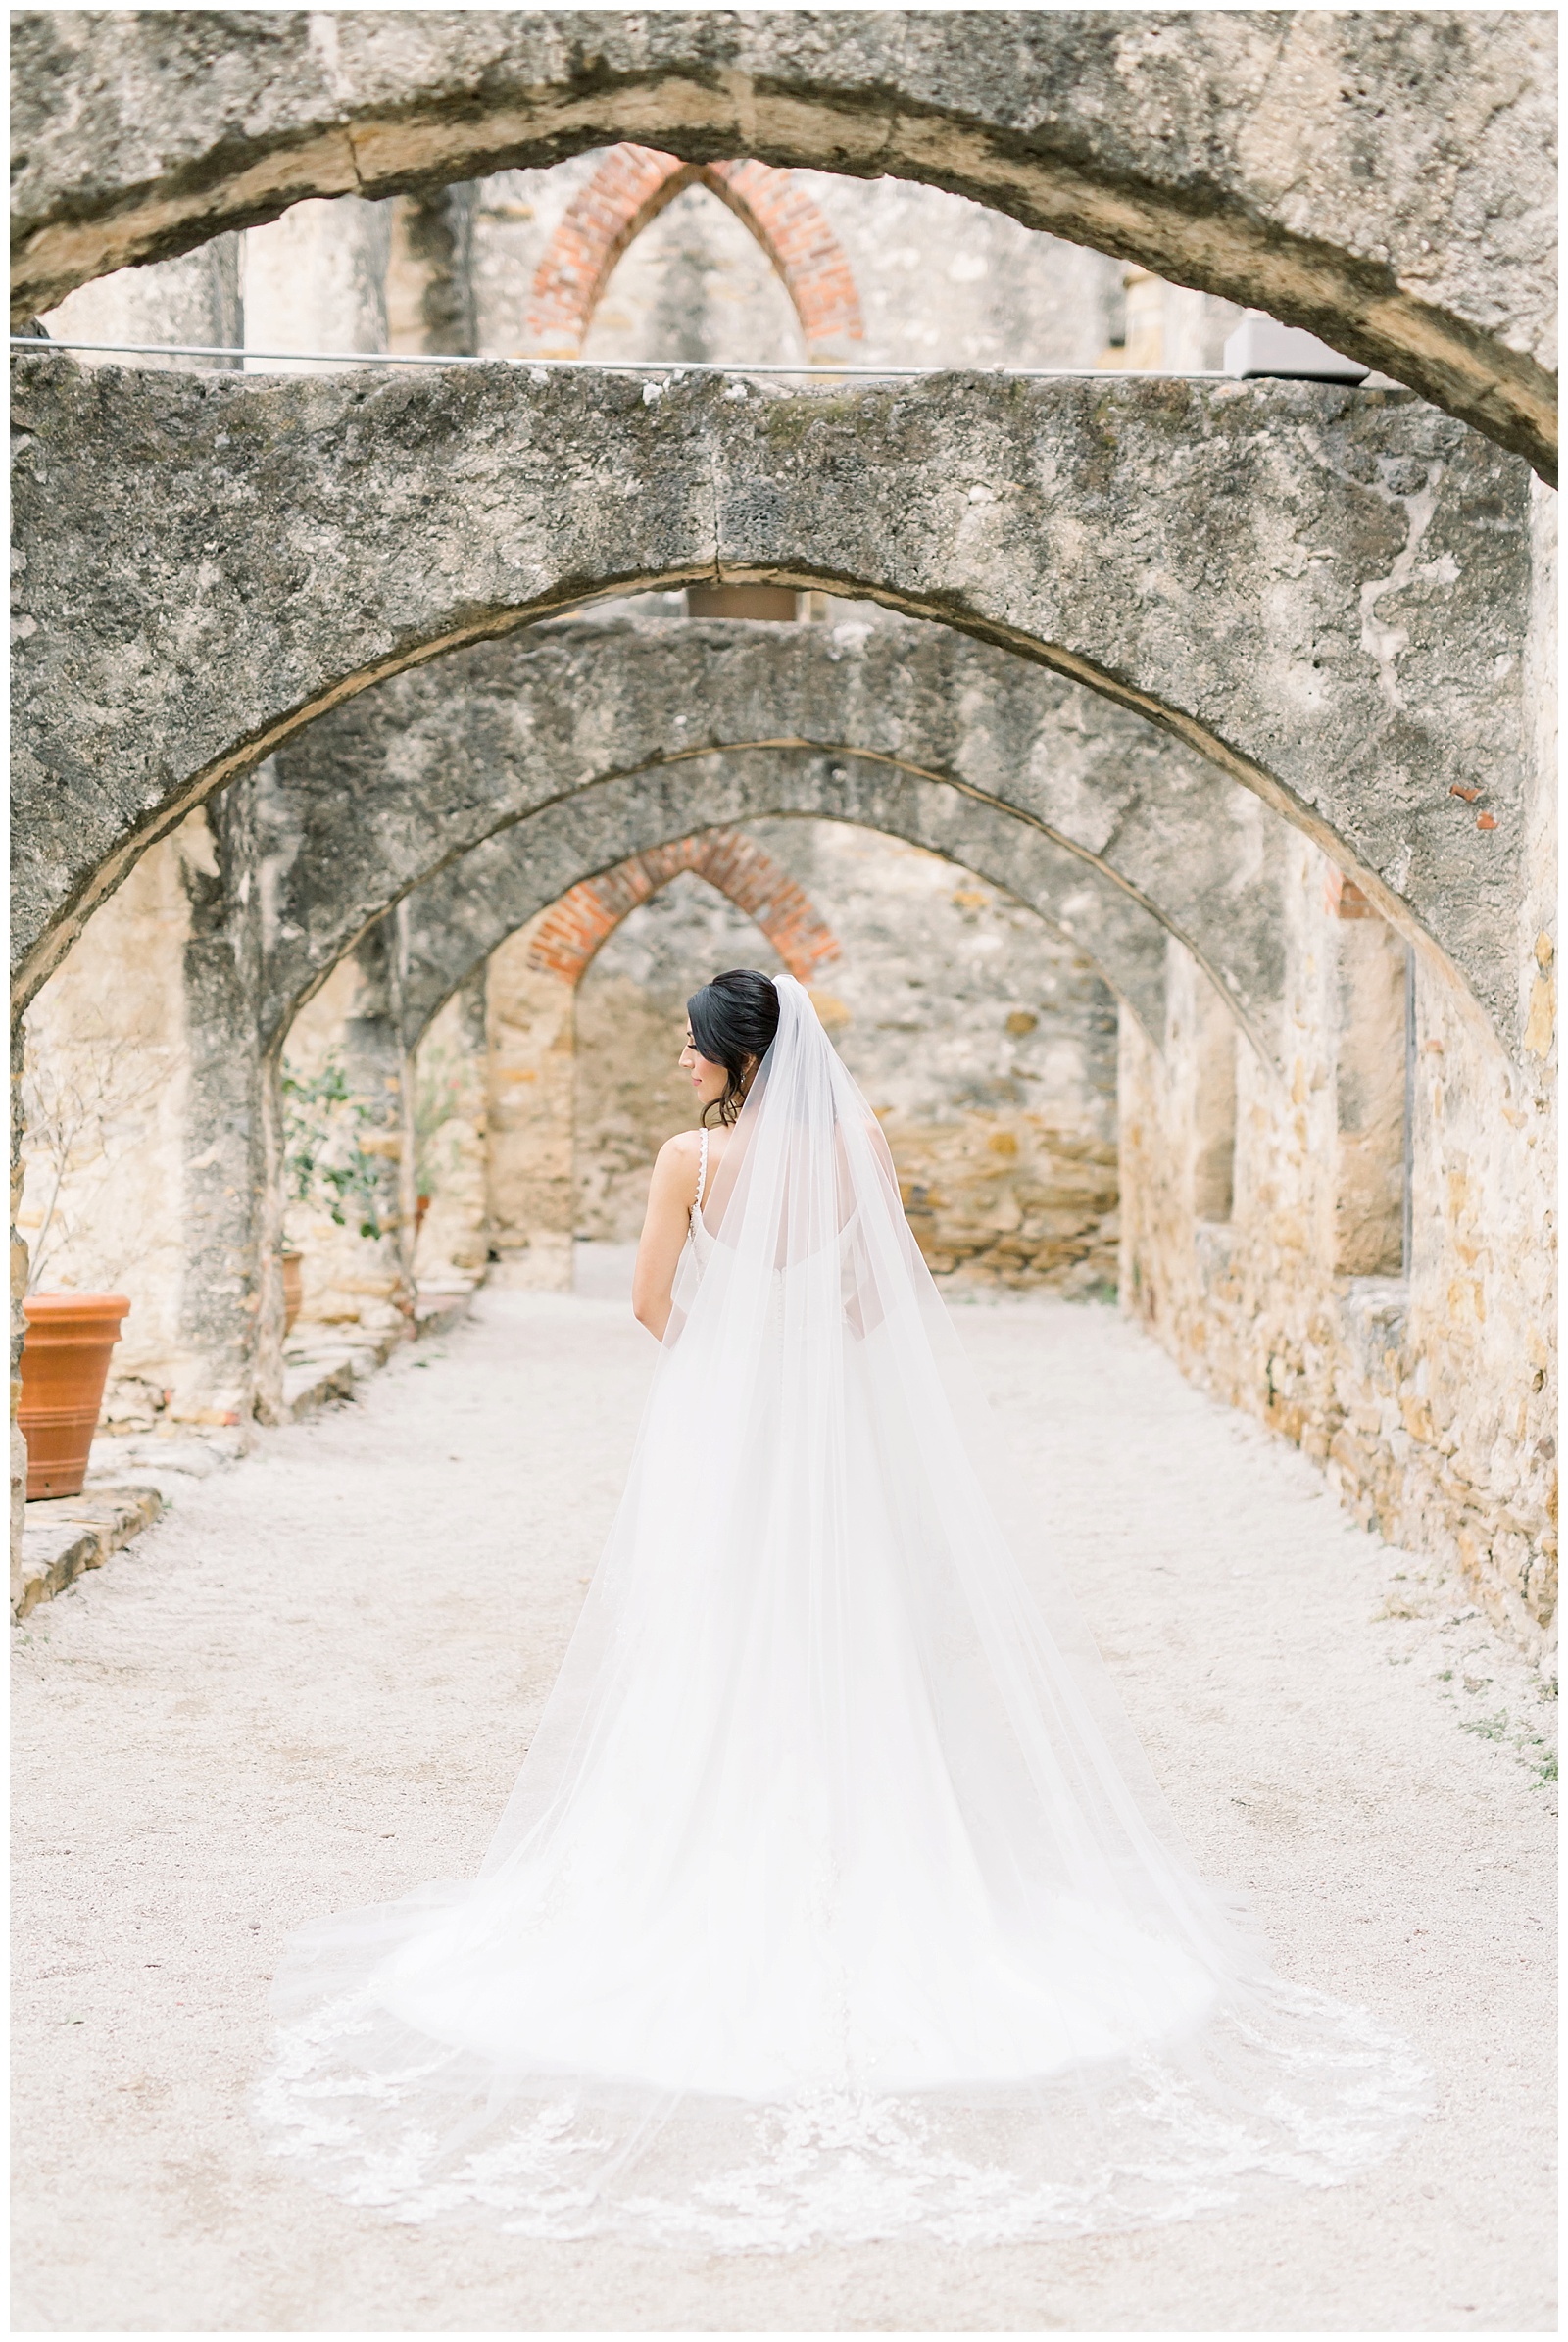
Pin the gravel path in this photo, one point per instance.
(310, 1685)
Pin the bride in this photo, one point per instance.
(835, 1899)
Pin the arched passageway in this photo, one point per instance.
(1220, 674)
(1327, 627)
(905, 723)
(458, 918)
(979, 1021)
(985, 1043)
(1179, 142)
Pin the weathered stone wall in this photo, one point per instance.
(1223, 149)
(528, 1113)
(105, 1093)
(1427, 1388)
(143, 1139)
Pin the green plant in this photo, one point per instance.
(325, 1161)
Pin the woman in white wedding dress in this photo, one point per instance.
(835, 1899)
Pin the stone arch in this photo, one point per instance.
(733, 864)
(461, 915)
(1224, 150)
(1286, 576)
(362, 806)
(627, 192)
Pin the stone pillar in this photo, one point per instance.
(19, 1323)
(226, 1205)
(531, 1023)
(144, 1088)
(195, 300)
(450, 1078)
(1145, 350)
(377, 1070)
(431, 303)
(192, 300)
(1199, 1072)
(316, 279)
(1213, 1107)
(271, 1210)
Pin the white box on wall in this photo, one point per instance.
(1262, 345)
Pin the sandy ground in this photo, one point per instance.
(309, 1686)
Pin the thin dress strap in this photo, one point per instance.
(701, 1169)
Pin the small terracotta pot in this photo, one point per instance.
(293, 1288)
(65, 1364)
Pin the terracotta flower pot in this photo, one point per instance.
(293, 1288)
(65, 1363)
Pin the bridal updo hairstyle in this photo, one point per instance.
(733, 1022)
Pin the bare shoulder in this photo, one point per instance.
(675, 1167)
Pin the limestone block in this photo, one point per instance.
(66, 1535)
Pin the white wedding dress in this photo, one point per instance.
(835, 1900)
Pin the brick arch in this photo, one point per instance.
(627, 192)
(735, 865)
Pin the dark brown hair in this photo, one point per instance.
(733, 1022)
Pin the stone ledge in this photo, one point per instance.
(440, 1307)
(63, 1535)
(319, 1370)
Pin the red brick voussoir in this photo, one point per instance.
(572, 931)
(631, 186)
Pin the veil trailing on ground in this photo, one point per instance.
(835, 1899)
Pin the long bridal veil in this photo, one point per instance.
(835, 1899)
